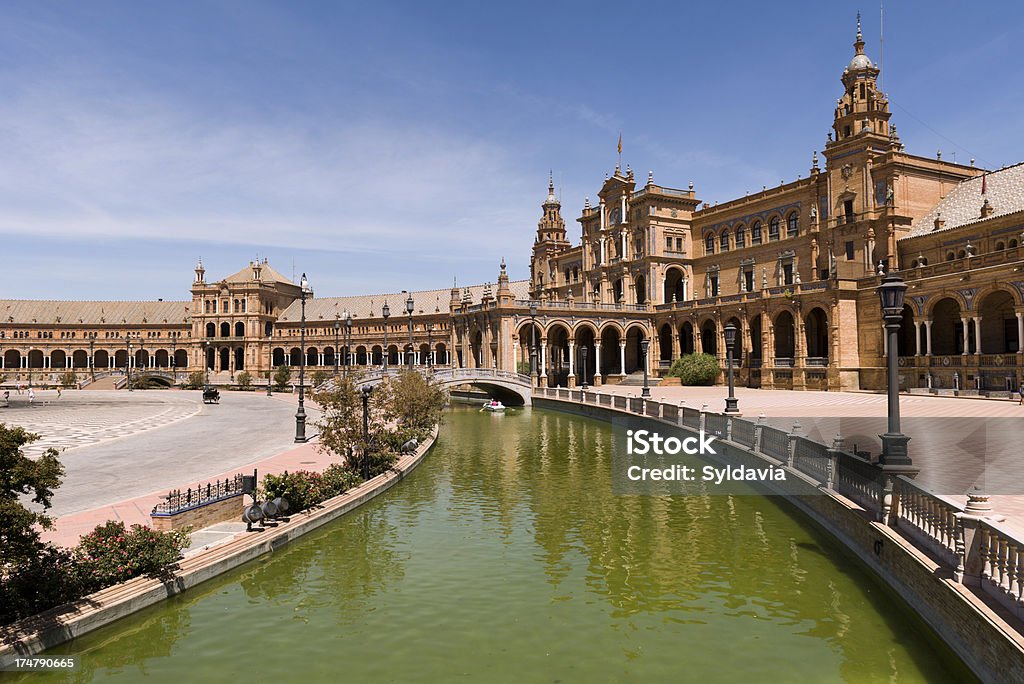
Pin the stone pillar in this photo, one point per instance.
(963, 324)
(543, 356)
(622, 357)
(928, 338)
(977, 335)
(571, 380)
(597, 363)
(917, 338)
(1020, 332)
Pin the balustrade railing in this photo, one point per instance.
(775, 443)
(932, 520)
(177, 501)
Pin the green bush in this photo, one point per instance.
(244, 380)
(111, 554)
(196, 379)
(302, 488)
(320, 377)
(50, 578)
(695, 369)
(338, 479)
(282, 376)
(69, 379)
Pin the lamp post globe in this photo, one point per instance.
(891, 294)
(409, 306)
(305, 292)
(731, 403)
(644, 345)
(386, 314)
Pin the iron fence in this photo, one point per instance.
(178, 500)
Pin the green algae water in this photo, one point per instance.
(505, 557)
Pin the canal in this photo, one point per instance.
(505, 557)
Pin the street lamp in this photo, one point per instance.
(731, 403)
(128, 361)
(891, 293)
(409, 304)
(386, 313)
(300, 415)
(534, 371)
(367, 389)
(174, 347)
(644, 344)
(92, 366)
(270, 357)
(583, 361)
(337, 329)
(206, 365)
(348, 341)
(430, 345)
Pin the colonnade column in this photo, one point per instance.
(928, 337)
(622, 357)
(977, 335)
(1020, 332)
(597, 363)
(966, 339)
(571, 380)
(917, 338)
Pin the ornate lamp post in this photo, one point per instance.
(583, 363)
(409, 305)
(348, 341)
(305, 291)
(386, 314)
(731, 403)
(894, 443)
(270, 358)
(206, 365)
(92, 366)
(644, 344)
(174, 369)
(127, 361)
(534, 371)
(430, 344)
(337, 329)
(367, 389)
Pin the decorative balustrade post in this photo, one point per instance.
(833, 461)
(758, 428)
(972, 542)
(679, 415)
(728, 428)
(794, 435)
(703, 417)
(888, 499)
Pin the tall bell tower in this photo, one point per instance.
(550, 241)
(862, 113)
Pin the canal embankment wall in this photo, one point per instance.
(63, 623)
(984, 634)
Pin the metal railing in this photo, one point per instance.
(178, 501)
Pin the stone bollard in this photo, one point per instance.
(758, 428)
(728, 428)
(794, 434)
(679, 417)
(833, 461)
(703, 417)
(971, 547)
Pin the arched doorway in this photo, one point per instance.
(239, 359)
(312, 356)
(816, 331)
(58, 359)
(785, 339)
(277, 357)
(558, 356)
(440, 354)
(101, 359)
(225, 329)
(225, 359)
(163, 359)
(610, 357)
(709, 337)
(585, 370)
(295, 357)
(640, 284)
(211, 330)
(756, 340)
(477, 348)
(181, 358)
(12, 358)
(360, 355)
(35, 359)
(528, 336)
(239, 329)
(907, 343)
(675, 286)
(686, 340)
(737, 347)
(120, 358)
(634, 352)
(329, 356)
(947, 329)
(376, 355)
(80, 359)
(998, 324)
(665, 345)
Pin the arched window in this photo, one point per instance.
(1013, 244)
(723, 241)
(962, 254)
(950, 256)
(709, 244)
(211, 330)
(773, 229)
(1000, 246)
(792, 225)
(225, 329)
(741, 237)
(755, 233)
(239, 329)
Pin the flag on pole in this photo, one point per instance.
(620, 143)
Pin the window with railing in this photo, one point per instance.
(755, 233)
(792, 225)
(741, 237)
(709, 244)
(773, 229)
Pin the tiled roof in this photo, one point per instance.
(1004, 190)
(268, 275)
(47, 312)
(369, 306)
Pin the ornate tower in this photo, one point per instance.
(862, 113)
(550, 240)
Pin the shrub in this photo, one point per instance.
(418, 403)
(69, 379)
(338, 479)
(302, 488)
(244, 380)
(695, 369)
(111, 554)
(196, 379)
(50, 578)
(282, 376)
(320, 377)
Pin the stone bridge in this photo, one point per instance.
(512, 389)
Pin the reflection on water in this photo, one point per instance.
(505, 557)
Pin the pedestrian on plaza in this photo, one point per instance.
(19, 389)
(58, 391)
(31, 396)
(7, 397)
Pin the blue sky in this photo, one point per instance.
(384, 146)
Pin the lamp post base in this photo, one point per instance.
(300, 426)
(894, 451)
(645, 392)
(732, 405)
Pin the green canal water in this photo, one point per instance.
(506, 558)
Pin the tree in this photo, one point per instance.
(417, 403)
(196, 379)
(320, 377)
(282, 376)
(341, 420)
(20, 476)
(244, 380)
(69, 379)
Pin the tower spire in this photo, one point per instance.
(859, 43)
